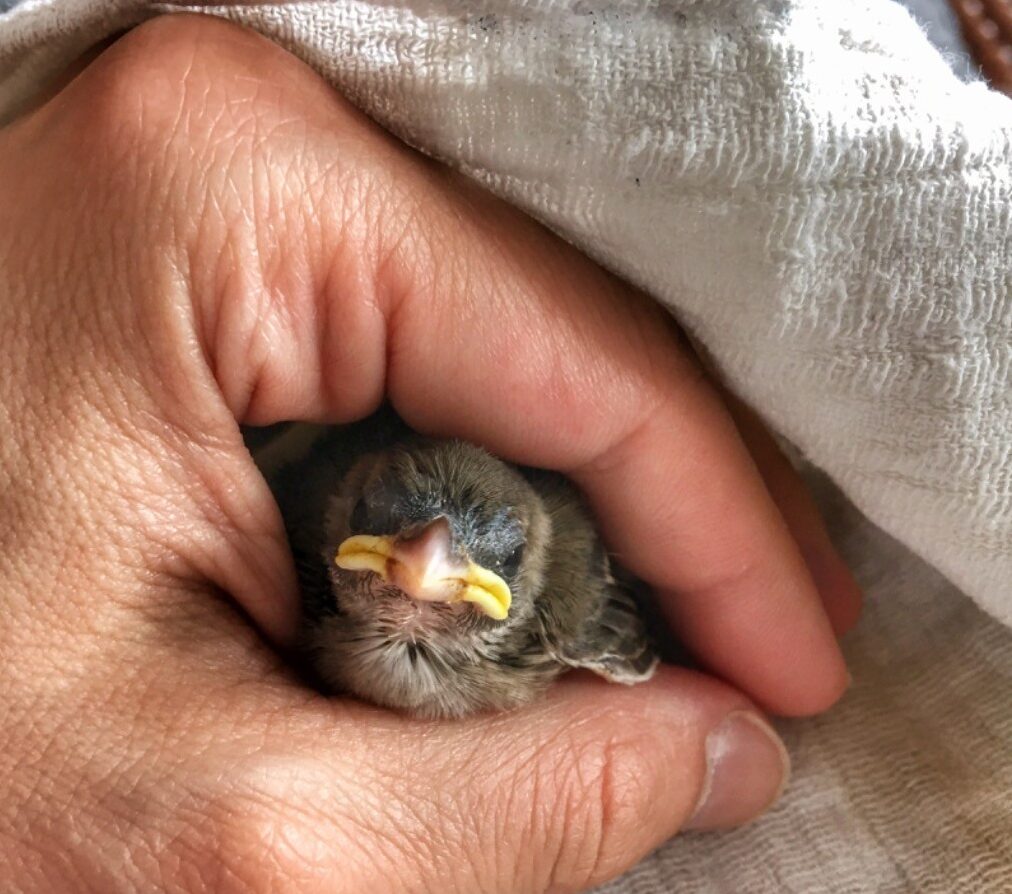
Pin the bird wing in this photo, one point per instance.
(587, 618)
(612, 642)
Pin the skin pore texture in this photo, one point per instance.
(196, 232)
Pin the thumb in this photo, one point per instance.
(577, 789)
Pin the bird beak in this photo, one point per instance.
(423, 567)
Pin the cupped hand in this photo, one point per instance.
(197, 231)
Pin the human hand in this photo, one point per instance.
(196, 231)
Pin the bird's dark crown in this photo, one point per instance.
(485, 502)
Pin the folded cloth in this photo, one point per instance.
(827, 209)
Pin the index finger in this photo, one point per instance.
(522, 345)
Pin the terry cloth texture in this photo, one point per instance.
(827, 209)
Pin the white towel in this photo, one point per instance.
(827, 209)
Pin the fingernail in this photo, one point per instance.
(747, 768)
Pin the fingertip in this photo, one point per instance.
(744, 756)
(717, 760)
(839, 592)
(777, 647)
(689, 712)
(811, 697)
(805, 688)
(841, 596)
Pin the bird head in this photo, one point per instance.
(436, 539)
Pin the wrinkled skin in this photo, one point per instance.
(197, 230)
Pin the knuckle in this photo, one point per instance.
(571, 815)
(603, 791)
(168, 78)
(135, 85)
(410, 250)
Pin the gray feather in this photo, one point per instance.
(589, 620)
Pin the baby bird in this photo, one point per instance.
(441, 581)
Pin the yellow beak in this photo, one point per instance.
(422, 568)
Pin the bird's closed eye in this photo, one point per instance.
(512, 564)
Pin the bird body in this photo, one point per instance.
(439, 580)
